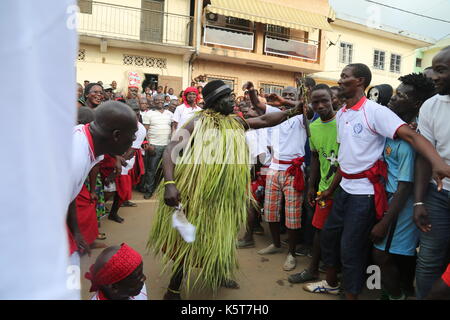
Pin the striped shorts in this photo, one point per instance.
(278, 183)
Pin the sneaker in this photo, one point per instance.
(241, 244)
(270, 250)
(321, 287)
(290, 263)
(303, 252)
(302, 277)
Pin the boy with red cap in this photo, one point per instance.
(117, 275)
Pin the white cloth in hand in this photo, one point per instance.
(180, 222)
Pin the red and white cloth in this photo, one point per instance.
(83, 158)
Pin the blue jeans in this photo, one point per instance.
(345, 237)
(151, 166)
(433, 252)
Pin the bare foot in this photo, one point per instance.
(98, 245)
(230, 284)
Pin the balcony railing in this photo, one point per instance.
(228, 37)
(121, 22)
(290, 48)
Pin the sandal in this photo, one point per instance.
(128, 204)
(301, 277)
(101, 236)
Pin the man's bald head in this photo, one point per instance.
(441, 71)
(115, 124)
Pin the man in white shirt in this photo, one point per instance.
(159, 126)
(363, 127)
(186, 111)
(285, 178)
(432, 207)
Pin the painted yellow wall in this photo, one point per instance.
(364, 45)
(429, 54)
(109, 66)
(240, 74)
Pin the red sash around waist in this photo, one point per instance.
(377, 171)
(294, 170)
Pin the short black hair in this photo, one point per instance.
(322, 86)
(360, 70)
(85, 115)
(334, 88)
(310, 82)
(423, 86)
(89, 87)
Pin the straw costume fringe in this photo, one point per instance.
(213, 178)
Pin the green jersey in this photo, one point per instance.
(324, 141)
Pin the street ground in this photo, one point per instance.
(259, 277)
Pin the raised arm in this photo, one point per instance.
(272, 119)
(248, 86)
(440, 169)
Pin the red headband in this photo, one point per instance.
(190, 89)
(120, 266)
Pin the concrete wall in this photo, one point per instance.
(364, 45)
(122, 19)
(109, 66)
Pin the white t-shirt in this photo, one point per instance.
(172, 97)
(362, 134)
(257, 143)
(434, 125)
(160, 127)
(83, 159)
(287, 139)
(183, 114)
(141, 296)
(37, 134)
(140, 136)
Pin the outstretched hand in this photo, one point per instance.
(275, 100)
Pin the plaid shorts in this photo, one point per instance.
(277, 184)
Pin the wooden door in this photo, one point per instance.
(152, 20)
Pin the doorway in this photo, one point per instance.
(150, 79)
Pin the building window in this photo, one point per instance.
(418, 63)
(233, 22)
(378, 59)
(228, 82)
(278, 31)
(395, 63)
(345, 53)
(272, 88)
(85, 6)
